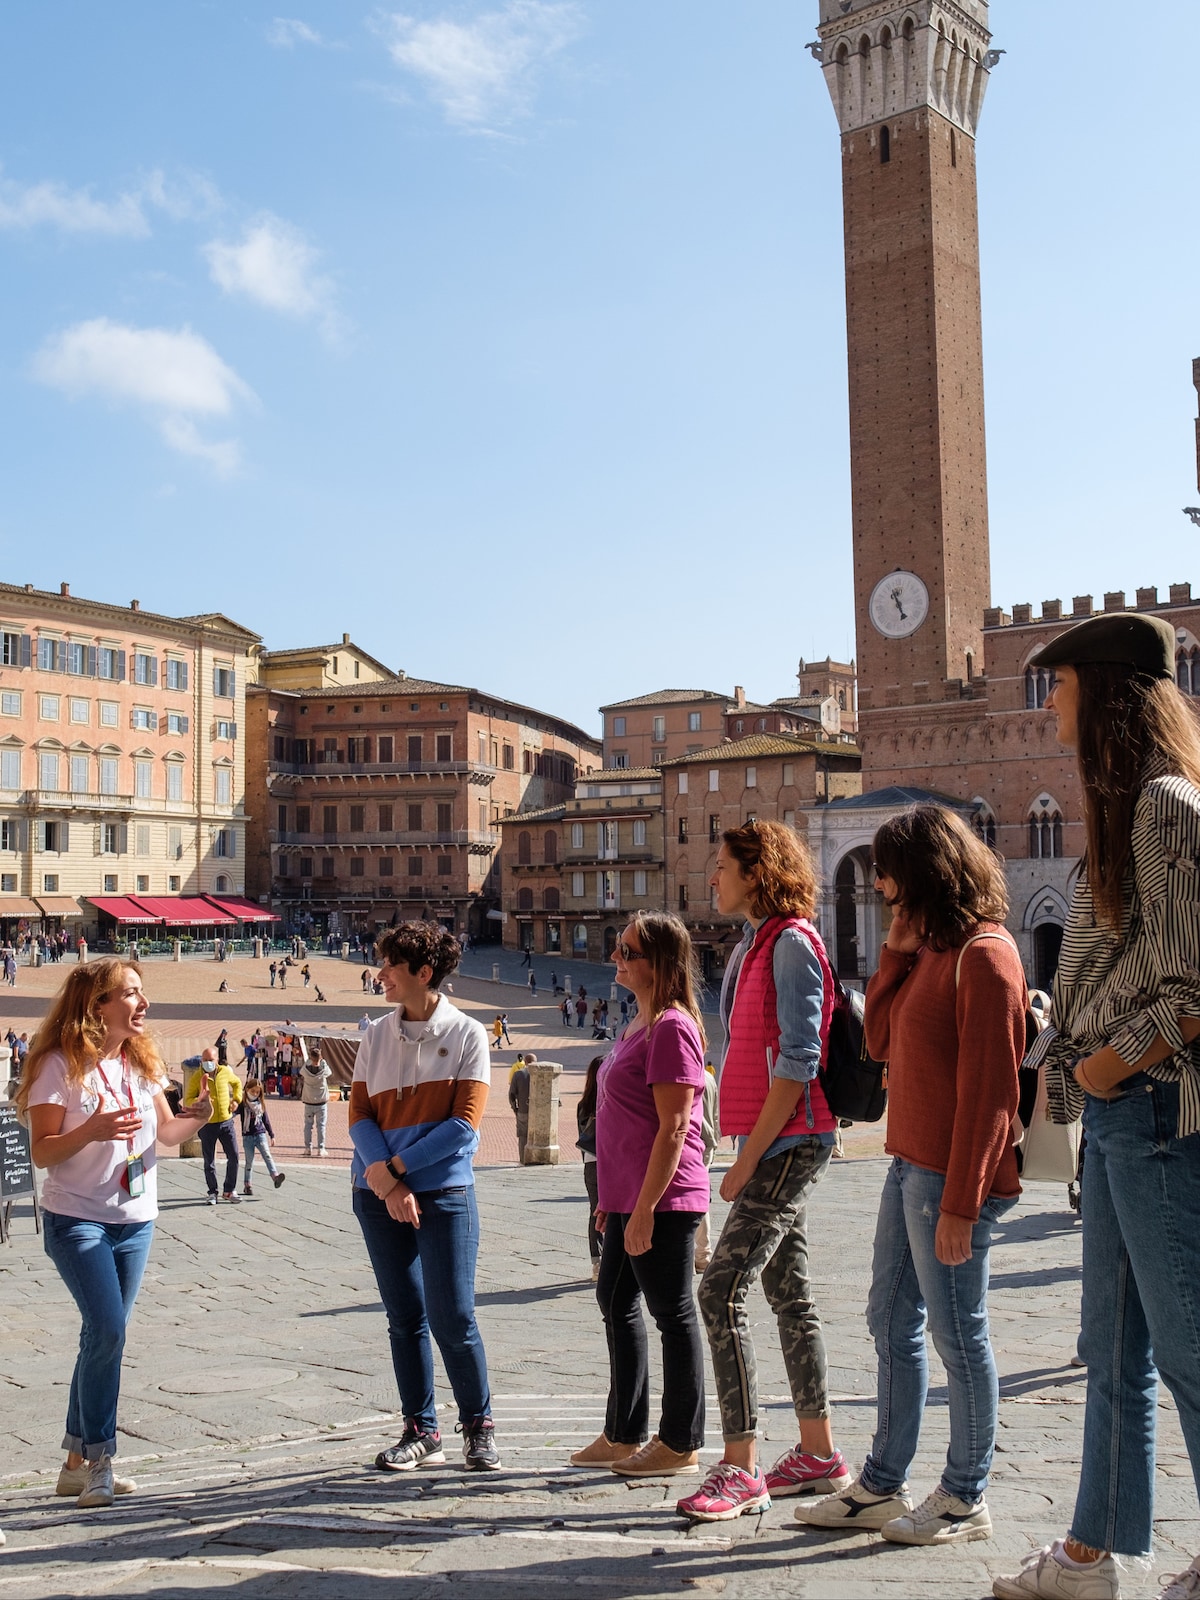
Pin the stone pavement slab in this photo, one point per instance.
(257, 1389)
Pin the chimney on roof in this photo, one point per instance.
(28, 588)
(135, 605)
(739, 697)
(64, 589)
(345, 638)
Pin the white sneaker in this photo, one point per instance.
(855, 1507)
(98, 1485)
(1186, 1586)
(73, 1480)
(1045, 1577)
(941, 1518)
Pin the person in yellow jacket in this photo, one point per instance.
(224, 1089)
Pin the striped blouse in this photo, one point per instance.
(1123, 989)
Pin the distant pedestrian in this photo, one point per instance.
(222, 1087)
(366, 981)
(314, 1093)
(497, 1032)
(581, 1011)
(10, 970)
(306, 974)
(533, 983)
(504, 1027)
(273, 970)
(554, 983)
(257, 1134)
(518, 1100)
(222, 1043)
(565, 1008)
(320, 996)
(527, 958)
(94, 1094)
(364, 1022)
(282, 975)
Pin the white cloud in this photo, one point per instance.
(51, 204)
(285, 33)
(174, 374)
(274, 265)
(482, 72)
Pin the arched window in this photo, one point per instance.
(1187, 671)
(221, 886)
(524, 899)
(524, 849)
(1045, 831)
(1038, 683)
(550, 847)
(983, 821)
(551, 899)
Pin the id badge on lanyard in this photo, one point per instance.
(133, 1179)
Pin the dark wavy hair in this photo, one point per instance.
(421, 944)
(1126, 723)
(777, 859)
(947, 880)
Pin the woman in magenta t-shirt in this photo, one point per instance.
(653, 1190)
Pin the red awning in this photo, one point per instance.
(242, 909)
(182, 911)
(122, 909)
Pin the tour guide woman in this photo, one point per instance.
(946, 1010)
(776, 1002)
(1126, 1013)
(92, 1091)
(653, 1190)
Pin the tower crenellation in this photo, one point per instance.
(882, 59)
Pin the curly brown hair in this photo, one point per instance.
(73, 1025)
(779, 863)
(421, 944)
(947, 880)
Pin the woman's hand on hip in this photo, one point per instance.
(639, 1231)
(952, 1241)
(736, 1179)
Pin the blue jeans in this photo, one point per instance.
(260, 1142)
(101, 1264)
(909, 1289)
(1141, 1305)
(426, 1279)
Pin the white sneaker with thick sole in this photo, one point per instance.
(1044, 1577)
(73, 1480)
(855, 1507)
(1186, 1586)
(941, 1518)
(98, 1486)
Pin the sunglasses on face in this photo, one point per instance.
(628, 953)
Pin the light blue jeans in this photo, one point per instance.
(909, 1289)
(261, 1143)
(101, 1264)
(1141, 1306)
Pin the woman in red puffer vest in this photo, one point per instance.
(776, 1003)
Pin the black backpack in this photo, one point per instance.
(855, 1086)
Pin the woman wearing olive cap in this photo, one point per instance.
(1126, 1012)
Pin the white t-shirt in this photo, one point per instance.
(88, 1184)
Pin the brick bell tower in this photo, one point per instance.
(907, 82)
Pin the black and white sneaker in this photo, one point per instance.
(479, 1445)
(414, 1448)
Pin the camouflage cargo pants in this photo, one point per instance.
(765, 1235)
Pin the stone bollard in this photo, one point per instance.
(258, 953)
(176, 950)
(495, 972)
(541, 1148)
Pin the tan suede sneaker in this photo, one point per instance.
(657, 1460)
(602, 1452)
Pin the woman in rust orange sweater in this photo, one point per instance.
(946, 1010)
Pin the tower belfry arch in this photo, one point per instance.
(907, 83)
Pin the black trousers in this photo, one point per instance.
(212, 1134)
(663, 1277)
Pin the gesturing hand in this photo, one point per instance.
(105, 1125)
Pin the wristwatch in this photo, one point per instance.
(399, 1176)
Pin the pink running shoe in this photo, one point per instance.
(725, 1494)
(799, 1473)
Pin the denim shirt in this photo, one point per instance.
(799, 996)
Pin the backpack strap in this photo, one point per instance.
(974, 939)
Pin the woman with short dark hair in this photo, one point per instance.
(776, 1002)
(653, 1190)
(1122, 1051)
(946, 1011)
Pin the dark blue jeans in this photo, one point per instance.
(212, 1134)
(426, 1279)
(101, 1264)
(1141, 1305)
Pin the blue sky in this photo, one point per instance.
(509, 336)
